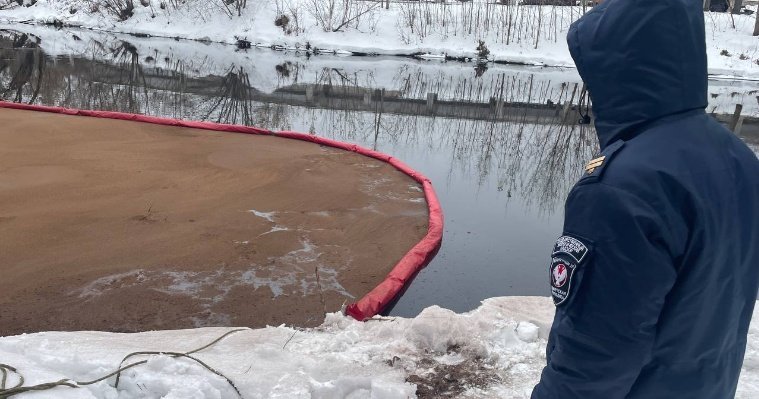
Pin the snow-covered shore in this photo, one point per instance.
(511, 33)
(496, 350)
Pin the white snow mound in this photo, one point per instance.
(496, 350)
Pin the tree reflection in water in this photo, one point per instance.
(133, 88)
(536, 163)
(21, 67)
(234, 103)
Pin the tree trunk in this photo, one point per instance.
(756, 25)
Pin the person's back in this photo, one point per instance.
(656, 275)
(696, 175)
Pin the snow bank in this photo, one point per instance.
(511, 33)
(496, 350)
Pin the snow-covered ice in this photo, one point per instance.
(496, 350)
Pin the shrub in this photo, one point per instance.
(243, 44)
(335, 15)
(7, 4)
(289, 16)
(232, 6)
(482, 51)
(121, 9)
(283, 21)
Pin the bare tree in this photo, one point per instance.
(334, 15)
(289, 16)
(232, 6)
(7, 4)
(121, 9)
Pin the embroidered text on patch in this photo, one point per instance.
(566, 257)
(571, 246)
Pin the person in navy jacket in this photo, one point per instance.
(656, 274)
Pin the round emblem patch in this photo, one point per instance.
(559, 275)
(568, 254)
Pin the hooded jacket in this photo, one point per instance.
(656, 274)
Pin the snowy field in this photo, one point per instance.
(511, 32)
(497, 350)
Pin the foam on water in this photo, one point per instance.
(297, 273)
(265, 215)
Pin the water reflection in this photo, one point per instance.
(501, 144)
(234, 103)
(21, 67)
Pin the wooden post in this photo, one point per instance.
(736, 6)
(739, 126)
(565, 111)
(497, 104)
(736, 117)
(529, 92)
(382, 102)
(574, 92)
(707, 4)
(431, 100)
(756, 25)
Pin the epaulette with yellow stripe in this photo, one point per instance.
(595, 168)
(593, 164)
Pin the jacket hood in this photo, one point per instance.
(641, 60)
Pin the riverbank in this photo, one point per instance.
(475, 30)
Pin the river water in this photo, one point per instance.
(498, 143)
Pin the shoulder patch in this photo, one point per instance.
(595, 168)
(567, 257)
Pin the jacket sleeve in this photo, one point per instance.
(602, 335)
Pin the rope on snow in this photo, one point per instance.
(6, 370)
